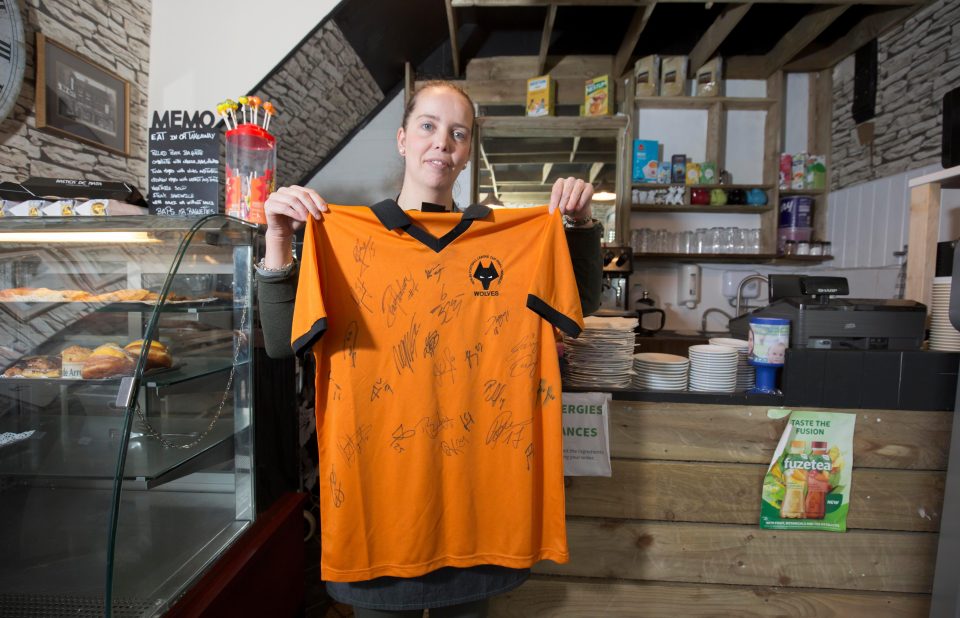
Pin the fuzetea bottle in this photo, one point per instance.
(818, 481)
(796, 481)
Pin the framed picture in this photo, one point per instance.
(80, 99)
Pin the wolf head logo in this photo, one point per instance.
(486, 274)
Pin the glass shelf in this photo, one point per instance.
(92, 453)
(182, 371)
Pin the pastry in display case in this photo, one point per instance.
(126, 438)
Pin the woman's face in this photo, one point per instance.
(436, 140)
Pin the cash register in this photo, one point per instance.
(820, 319)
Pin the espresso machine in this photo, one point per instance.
(617, 268)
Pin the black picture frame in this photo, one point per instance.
(81, 99)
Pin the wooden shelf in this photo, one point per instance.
(658, 185)
(726, 209)
(810, 192)
(537, 126)
(737, 103)
(732, 258)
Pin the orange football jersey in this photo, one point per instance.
(438, 386)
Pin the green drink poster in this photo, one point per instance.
(807, 485)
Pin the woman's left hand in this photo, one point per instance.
(572, 196)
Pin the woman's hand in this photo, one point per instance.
(572, 196)
(288, 207)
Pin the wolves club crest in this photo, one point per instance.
(486, 270)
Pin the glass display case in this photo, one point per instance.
(125, 469)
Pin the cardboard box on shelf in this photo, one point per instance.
(646, 160)
(598, 99)
(541, 96)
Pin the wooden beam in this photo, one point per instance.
(522, 67)
(820, 139)
(869, 28)
(454, 46)
(694, 492)
(746, 555)
(589, 3)
(573, 151)
(595, 171)
(550, 157)
(904, 440)
(547, 167)
(545, 38)
(924, 232)
(639, 22)
(793, 42)
(577, 598)
(743, 67)
(493, 176)
(716, 34)
(547, 126)
(408, 83)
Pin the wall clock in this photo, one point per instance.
(13, 57)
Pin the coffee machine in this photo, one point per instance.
(617, 268)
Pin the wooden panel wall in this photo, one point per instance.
(674, 531)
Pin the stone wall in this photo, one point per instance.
(918, 61)
(115, 35)
(322, 92)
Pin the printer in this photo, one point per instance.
(821, 320)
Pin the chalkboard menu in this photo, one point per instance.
(184, 164)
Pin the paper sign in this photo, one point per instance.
(586, 439)
(807, 485)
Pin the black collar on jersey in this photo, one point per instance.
(392, 217)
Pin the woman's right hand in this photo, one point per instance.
(288, 207)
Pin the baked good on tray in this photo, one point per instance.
(34, 367)
(108, 361)
(75, 354)
(158, 356)
(42, 295)
(120, 296)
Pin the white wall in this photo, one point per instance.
(204, 51)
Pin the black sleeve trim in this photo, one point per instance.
(302, 344)
(553, 316)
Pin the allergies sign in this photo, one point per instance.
(807, 485)
(586, 441)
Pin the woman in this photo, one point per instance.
(434, 140)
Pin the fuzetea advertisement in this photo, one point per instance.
(807, 486)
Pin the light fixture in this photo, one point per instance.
(77, 237)
(604, 196)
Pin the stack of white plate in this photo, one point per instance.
(943, 336)
(660, 372)
(713, 368)
(746, 374)
(602, 356)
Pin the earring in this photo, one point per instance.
(403, 152)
